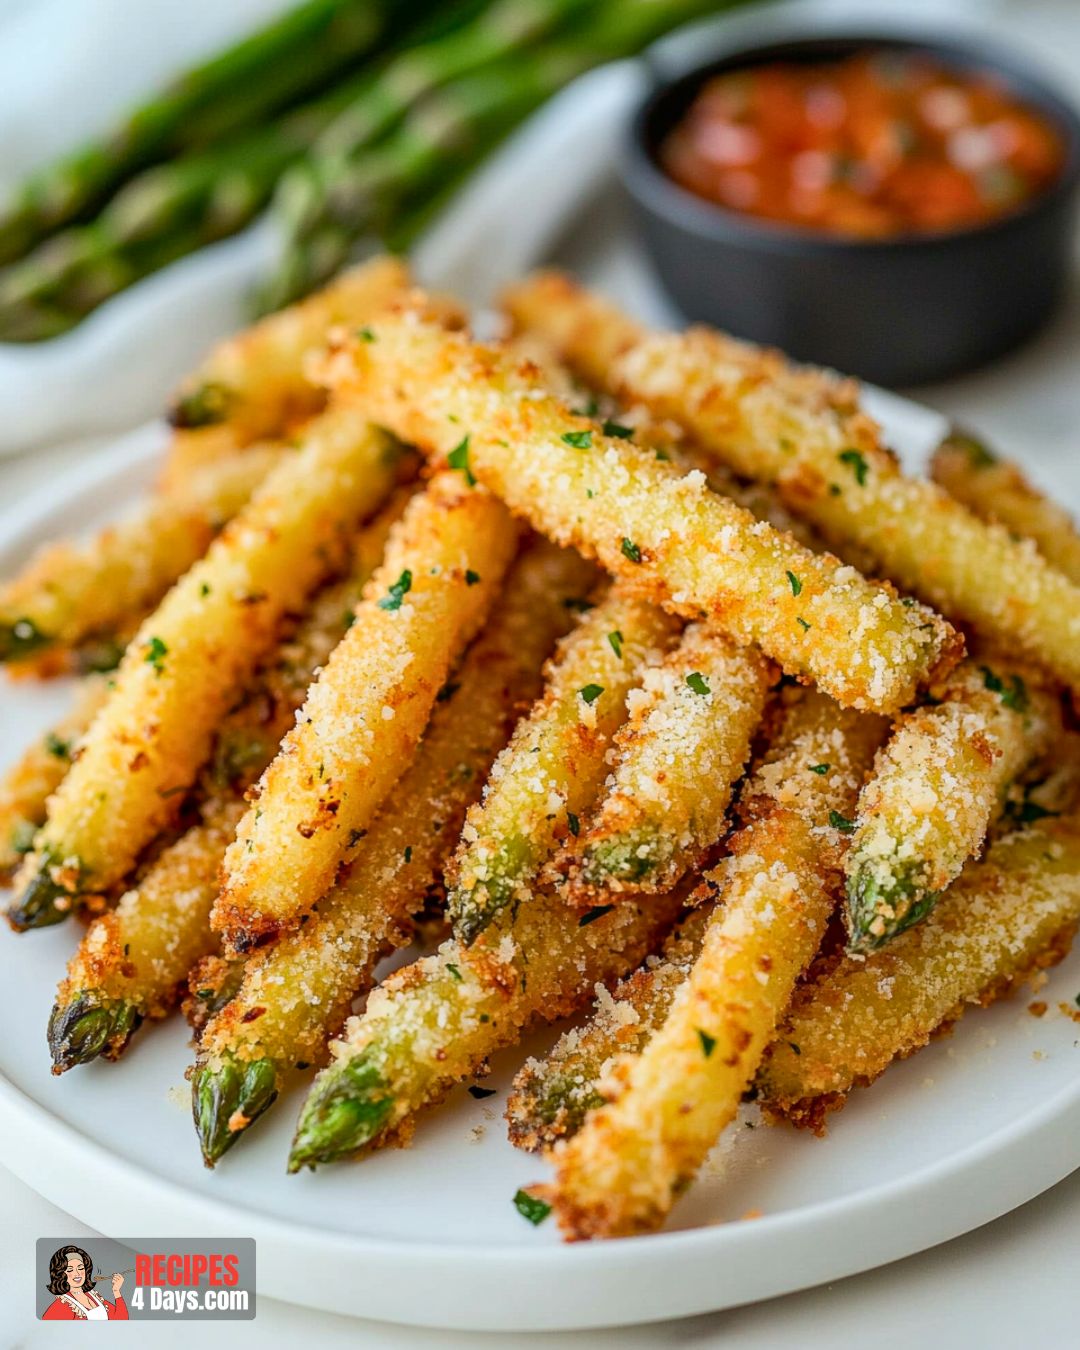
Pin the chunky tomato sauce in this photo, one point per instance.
(878, 144)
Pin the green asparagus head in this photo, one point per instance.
(42, 904)
(878, 911)
(473, 908)
(349, 1104)
(623, 857)
(227, 1097)
(90, 1025)
(203, 406)
(20, 638)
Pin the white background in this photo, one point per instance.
(1015, 1282)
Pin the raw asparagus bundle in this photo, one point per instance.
(237, 89)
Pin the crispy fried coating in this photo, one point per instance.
(997, 489)
(662, 531)
(623, 1170)
(365, 714)
(556, 760)
(676, 761)
(801, 430)
(1006, 917)
(195, 651)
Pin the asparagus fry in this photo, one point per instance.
(256, 380)
(437, 1021)
(364, 716)
(555, 762)
(995, 489)
(1007, 916)
(297, 993)
(551, 1097)
(297, 52)
(937, 785)
(664, 532)
(676, 761)
(133, 960)
(175, 682)
(26, 787)
(623, 1170)
(67, 593)
(802, 431)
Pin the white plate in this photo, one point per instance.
(968, 1129)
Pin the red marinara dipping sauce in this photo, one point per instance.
(876, 145)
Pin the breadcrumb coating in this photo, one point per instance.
(549, 774)
(303, 985)
(253, 385)
(135, 958)
(437, 1021)
(623, 1170)
(1006, 916)
(801, 430)
(551, 1097)
(196, 650)
(676, 760)
(936, 787)
(662, 531)
(365, 713)
(26, 787)
(996, 489)
(68, 592)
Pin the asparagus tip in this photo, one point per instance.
(89, 1026)
(227, 1097)
(20, 638)
(877, 913)
(347, 1107)
(41, 904)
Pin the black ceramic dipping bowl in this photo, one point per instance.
(897, 311)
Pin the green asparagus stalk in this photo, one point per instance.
(165, 212)
(296, 54)
(434, 113)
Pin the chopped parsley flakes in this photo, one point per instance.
(698, 683)
(1014, 696)
(708, 1043)
(397, 592)
(580, 440)
(156, 651)
(841, 823)
(630, 550)
(794, 583)
(530, 1207)
(591, 692)
(471, 577)
(458, 458)
(617, 430)
(856, 461)
(821, 769)
(616, 639)
(591, 915)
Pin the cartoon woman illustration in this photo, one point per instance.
(71, 1278)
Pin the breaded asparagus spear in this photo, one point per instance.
(996, 489)
(69, 592)
(676, 761)
(623, 1170)
(191, 657)
(297, 993)
(662, 531)
(437, 1021)
(27, 786)
(1004, 919)
(556, 760)
(551, 1097)
(132, 962)
(802, 430)
(937, 785)
(365, 714)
